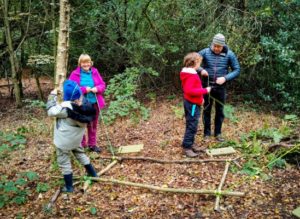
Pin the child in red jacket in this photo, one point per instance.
(193, 100)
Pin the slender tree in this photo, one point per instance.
(12, 55)
(63, 44)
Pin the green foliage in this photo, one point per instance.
(178, 111)
(35, 104)
(291, 117)
(254, 147)
(275, 161)
(93, 210)
(42, 187)
(278, 72)
(10, 142)
(16, 191)
(229, 113)
(122, 91)
(251, 168)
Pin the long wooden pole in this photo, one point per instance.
(163, 189)
(167, 161)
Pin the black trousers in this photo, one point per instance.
(192, 119)
(218, 93)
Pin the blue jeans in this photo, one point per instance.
(191, 126)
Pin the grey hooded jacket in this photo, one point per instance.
(68, 133)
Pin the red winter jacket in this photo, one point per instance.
(192, 86)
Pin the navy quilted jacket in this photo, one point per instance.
(218, 65)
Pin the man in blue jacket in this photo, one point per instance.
(215, 67)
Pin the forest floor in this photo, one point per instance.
(274, 196)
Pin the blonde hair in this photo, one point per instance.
(191, 59)
(84, 58)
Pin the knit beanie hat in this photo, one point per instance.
(71, 90)
(219, 39)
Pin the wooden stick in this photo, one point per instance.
(55, 197)
(167, 161)
(88, 182)
(217, 203)
(162, 189)
(108, 167)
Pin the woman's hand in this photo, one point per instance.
(88, 89)
(94, 90)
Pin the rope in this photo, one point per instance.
(107, 137)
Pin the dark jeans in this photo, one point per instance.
(191, 125)
(219, 93)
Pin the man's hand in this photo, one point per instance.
(220, 80)
(94, 90)
(204, 73)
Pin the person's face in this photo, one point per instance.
(197, 65)
(86, 65)
(217, 48)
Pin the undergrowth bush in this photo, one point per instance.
(10, 142)
(255, 147)
(122, 93)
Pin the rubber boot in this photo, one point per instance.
(68, 183)
(90, 170)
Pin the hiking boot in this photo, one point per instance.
(95, 149)
(197, 148)
(189, 152)
(219, 138)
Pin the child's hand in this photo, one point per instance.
(208, 89)
(54, 92)
(94, 90)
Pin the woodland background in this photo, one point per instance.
(138, 46)
(155, 35)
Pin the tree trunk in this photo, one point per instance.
(63, 44)
(38, 84)
(12, 56)
(53, 27)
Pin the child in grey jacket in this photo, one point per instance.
(72, 116)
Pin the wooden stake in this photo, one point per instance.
(167, 161)
(162, 189)
(217, 203)
(88, 182)
(107, 168)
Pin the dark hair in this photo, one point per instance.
(191, 59)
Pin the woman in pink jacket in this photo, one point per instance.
(92, 86)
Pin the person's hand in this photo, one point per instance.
(204, 73)
(220, 80)
(54, 92)
(94, 90)
(88, 89)
(208, 89)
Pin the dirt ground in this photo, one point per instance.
(161, 136)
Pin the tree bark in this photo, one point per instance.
(12, 56)
(63, 45)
